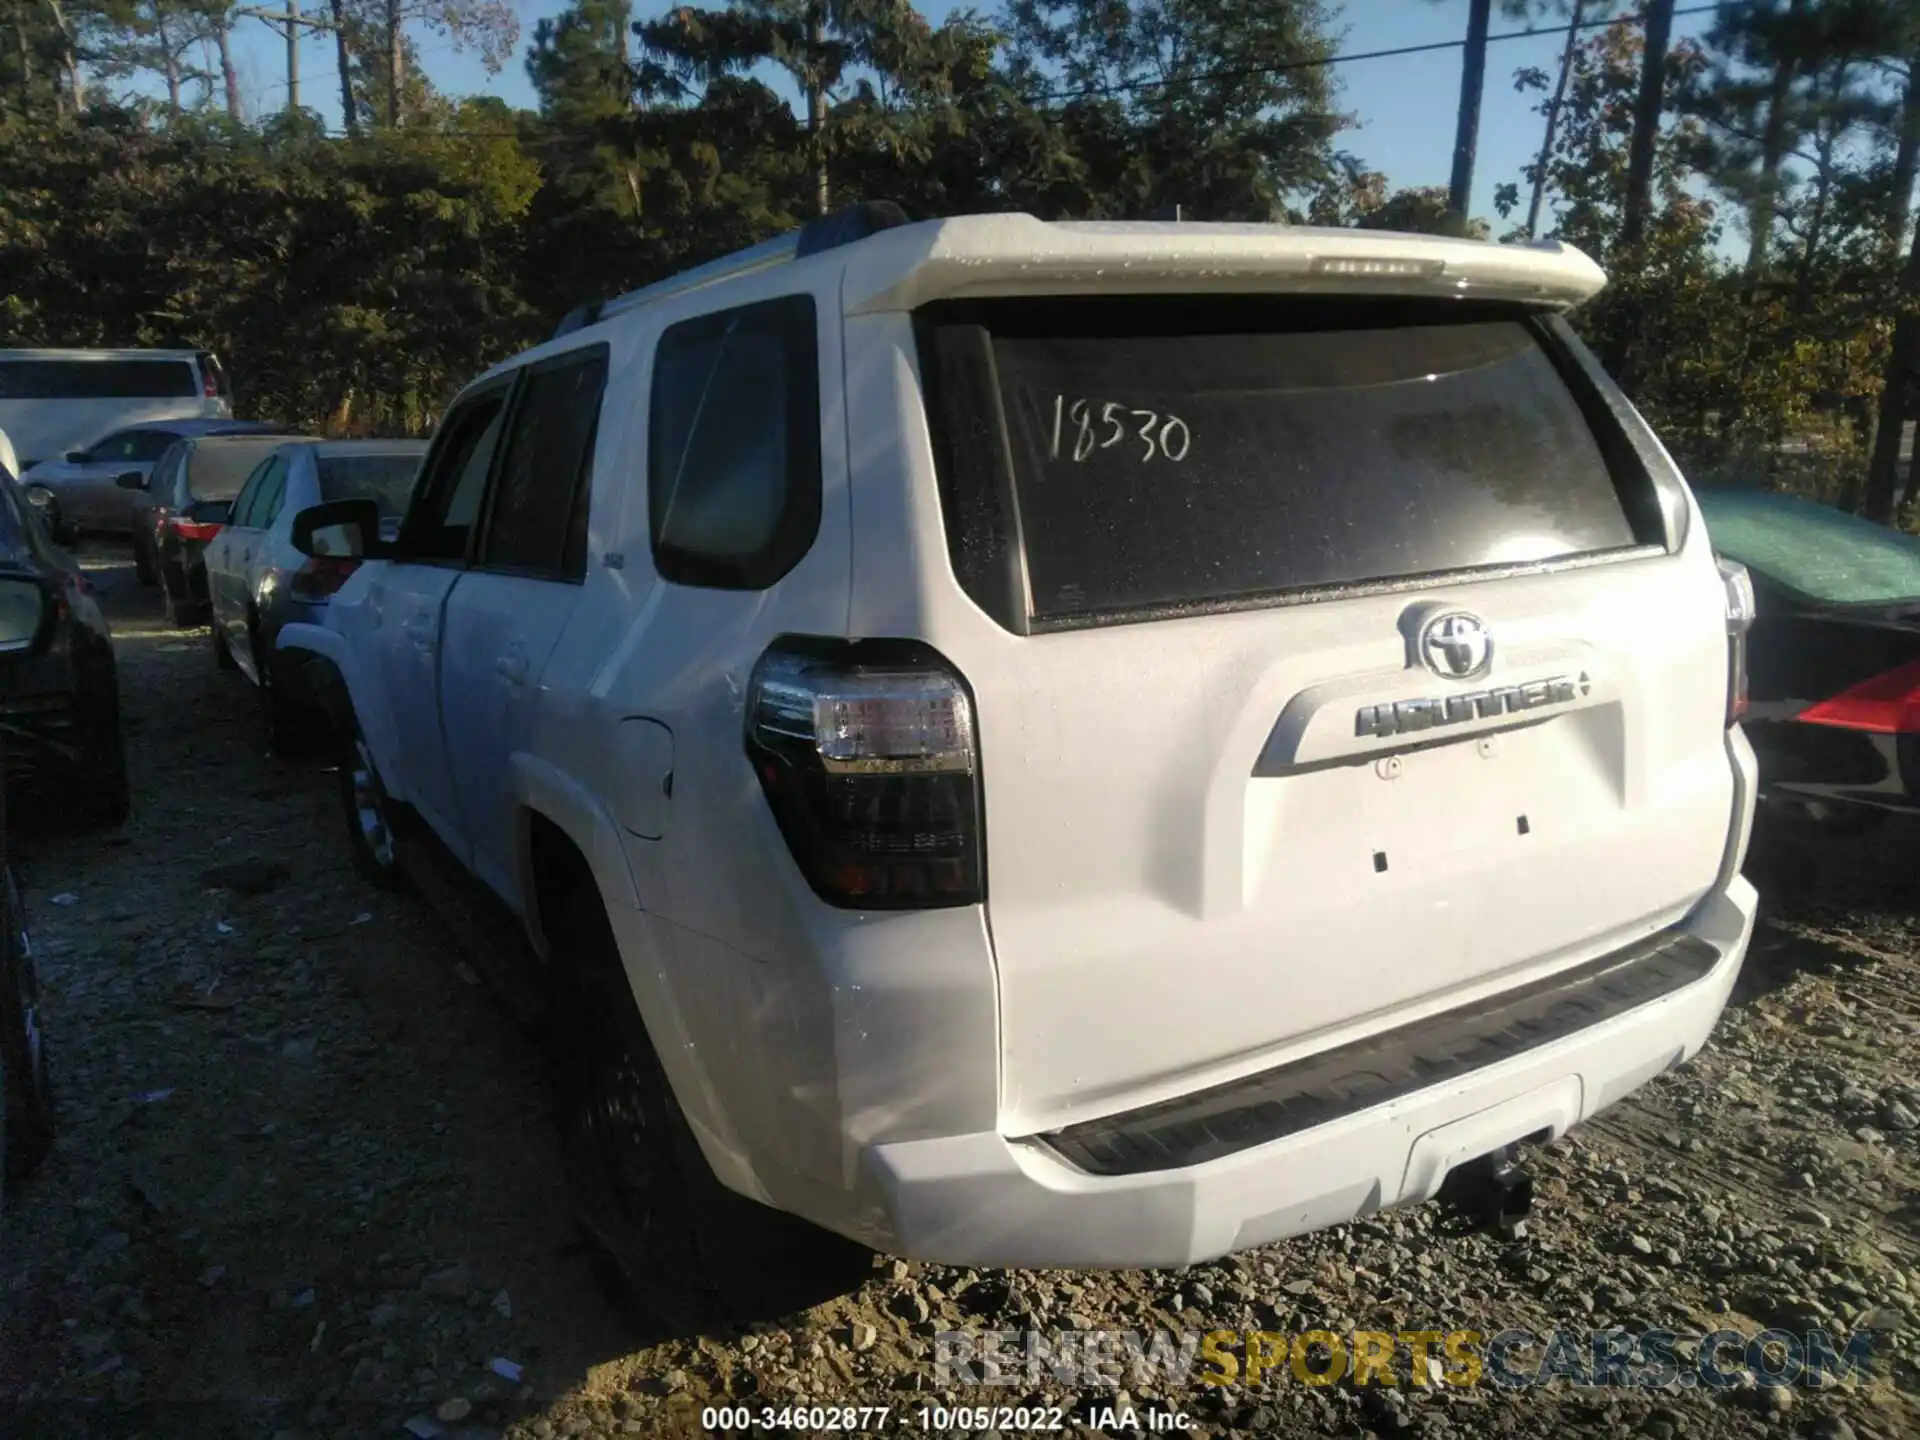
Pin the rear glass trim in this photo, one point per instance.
(1317, 594)
(957, 347)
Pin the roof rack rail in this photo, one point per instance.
(843, 227)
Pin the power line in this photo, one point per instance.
(1227, 72)
(1233, 72)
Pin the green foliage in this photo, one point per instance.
(1211, 105)
(353, 284)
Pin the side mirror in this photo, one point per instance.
(24, 612)
(130, 480)
(78, 457)
(346, 529)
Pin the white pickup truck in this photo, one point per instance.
(1051, 744)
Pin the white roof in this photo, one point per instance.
(902, 268)
(1015, 255)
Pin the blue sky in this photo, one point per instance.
(1405, 104)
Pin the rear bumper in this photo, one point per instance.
(986, 1199)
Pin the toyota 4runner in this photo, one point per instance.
(1062, 744)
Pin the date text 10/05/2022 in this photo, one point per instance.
(944, 1419)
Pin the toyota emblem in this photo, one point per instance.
(1456, 645)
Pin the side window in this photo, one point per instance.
(243, 502)
(266, 500)
(733, 445)
(277, 501)
(161, 480)
(545, 470)
(147, 445)
(118, 446)
(454, 478)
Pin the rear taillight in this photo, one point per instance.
(210, 384)
(201, 530)
(867, 755)
(321, 577)
(1741, 609)
(1888, 704)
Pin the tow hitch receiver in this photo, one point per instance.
(1494, 1191)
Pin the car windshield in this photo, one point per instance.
(219, 468)
(387, 480)
(1821, 552)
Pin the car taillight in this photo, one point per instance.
(1741, 610)
(320, 577)
(202, 530)
(1888, 704)
(210, 385)
(867, 755)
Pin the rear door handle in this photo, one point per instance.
(512, 668)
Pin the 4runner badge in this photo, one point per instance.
(1402, 716)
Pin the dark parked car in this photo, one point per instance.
(26, 1104)
(26, 1101)
(1833, 668)
(193, 499)
(59, 692)
(85, 490)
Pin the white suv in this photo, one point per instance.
(1065, 744)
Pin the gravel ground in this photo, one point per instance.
(306, 1187)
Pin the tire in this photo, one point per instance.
(28, 1122)
(369, 815)
(676, 1246)
(222, 652)
(291, 733)
(170, 609)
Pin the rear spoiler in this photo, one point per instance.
(1013, 255)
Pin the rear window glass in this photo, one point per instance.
(1821, 552)
(220, 468)
(96, 380)
(387, 480)
(1189, 450)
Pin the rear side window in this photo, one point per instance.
(160, 482)
(733, 445)
(136, 446)
(545, 467)
(97, 380)
(454, 477)
(387, 480)
(218, 468)
(1100, 458)
(243, 502)
(264, 503)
